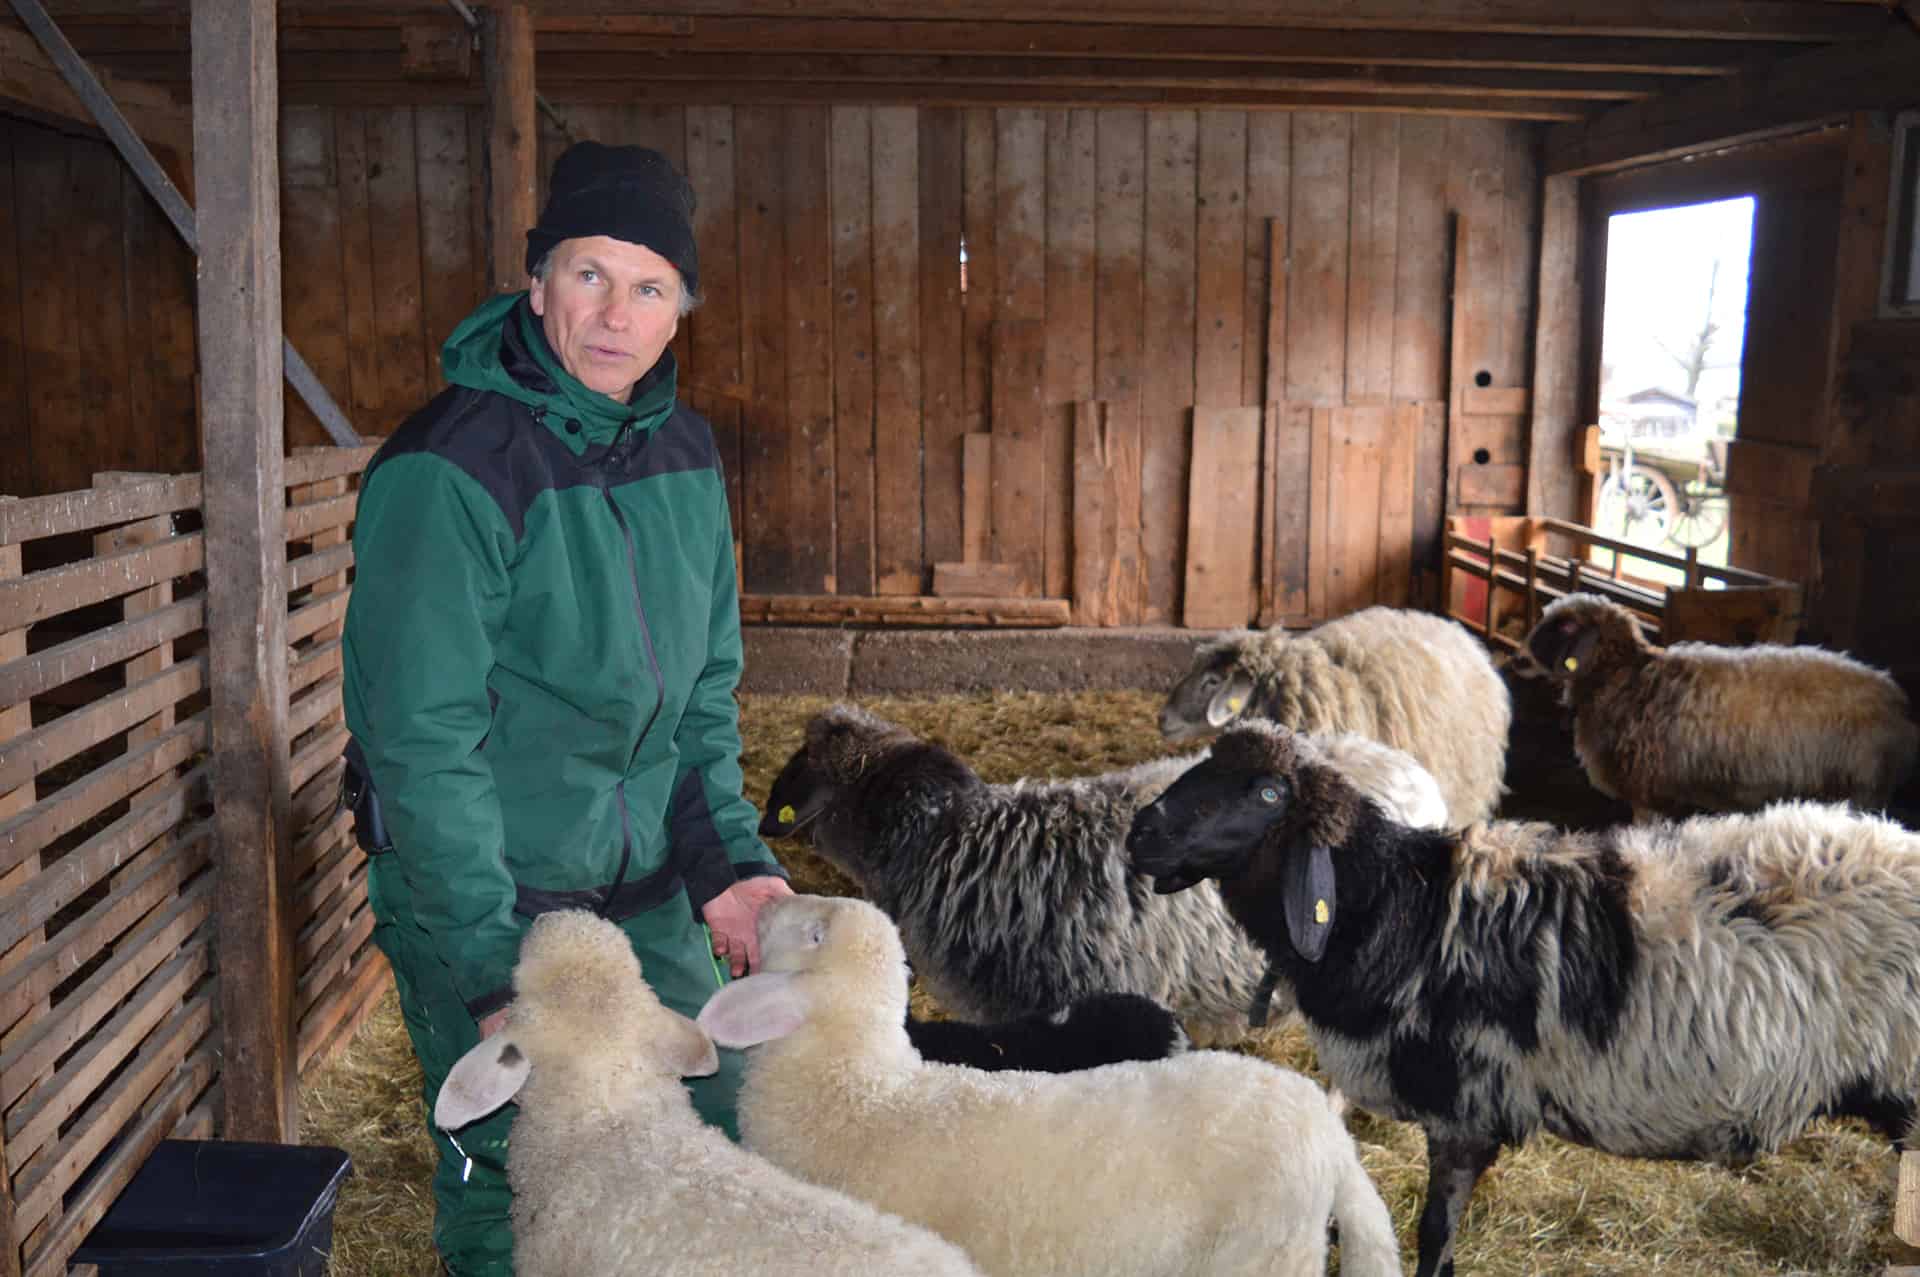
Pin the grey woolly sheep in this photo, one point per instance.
(1698, 991)
(1208, 1163)
(612, 1171)
(1016, 899)
(1415, 681)
(1699, 727)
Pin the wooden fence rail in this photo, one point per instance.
(108, 975)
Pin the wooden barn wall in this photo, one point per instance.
(1120, 275)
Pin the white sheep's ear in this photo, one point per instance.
(1230, 700)
(758, 1009)
(481, 1081)
(685, 1047)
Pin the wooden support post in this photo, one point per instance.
(513, 143)
(1906, 1203)
(1553, 435)
(236, 156)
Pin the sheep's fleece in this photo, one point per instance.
(612, 1171)
(1205, 1163)
(1418, 682)
(1016, 899)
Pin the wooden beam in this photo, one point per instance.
(31, 85)
(900, 609)
(513, 143)
(1555, 428)
(237, 156)
(1792, 94)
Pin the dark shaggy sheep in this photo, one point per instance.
(1103, 1028)
(1700, 990)
(1699, 727)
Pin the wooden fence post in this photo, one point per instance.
(236, 160)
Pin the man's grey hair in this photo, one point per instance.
(689, 300)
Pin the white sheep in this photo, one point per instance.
(1418, 682)
(612, 1171)
(1205, 1163)
(1700, 727)
(1699, 991)
(1015, 899)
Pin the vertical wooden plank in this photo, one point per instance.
(393, 203)
(1166, 387)
(1477, 191)
(315, 291)
(718, 380)
(1422, 251)
(1019, 344)
(1372, 256)
(809, 538)
(853, 300)
(356, 267)
(1107, 573)
(1221, 231)
(15, 721)
(758, 173)
(168, 281)
(1395, 582)
(942, 335)
(899, 558)
(1119, 348)
(45, 216)
(1319, 541)
(1071, 178)
(1353, 554)
(1269, 193)
(976, 498)
(1555, 430)
(1317, 231)
(235, 162)
(16, 460)
(107, 428)
(978, 225)
(1460, 369)
(1221, 515)
(1429, 501)
(1520, 247)
(446, 253)
(513, 141)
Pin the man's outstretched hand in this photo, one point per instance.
(731, 917)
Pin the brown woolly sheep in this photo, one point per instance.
(1698, 727)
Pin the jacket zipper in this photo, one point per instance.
(653, 661)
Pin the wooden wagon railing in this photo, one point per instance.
(1500, 574)
(110, 1033)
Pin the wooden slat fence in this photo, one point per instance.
(108, 1040)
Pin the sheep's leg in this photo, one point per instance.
(1454, 1166)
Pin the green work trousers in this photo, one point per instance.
(472, 1227)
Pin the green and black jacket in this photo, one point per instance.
(541, 650)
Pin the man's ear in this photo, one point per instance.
(1230, 700)
(758, 1009)
(481, 1081)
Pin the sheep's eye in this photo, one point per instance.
(1269, 794)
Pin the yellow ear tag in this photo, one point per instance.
(786, 814)
(1320, 912)
(1233, 703)
(1571, 663)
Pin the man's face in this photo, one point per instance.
(609, 308)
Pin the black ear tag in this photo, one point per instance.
(1306, 894)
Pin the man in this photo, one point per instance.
(541, 651)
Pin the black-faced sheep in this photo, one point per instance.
(1205, 1163)
(1415, 681)
(612, 1171)
(1700, 727)
(1699, 991)
(1016, 899)
(1102, 1028)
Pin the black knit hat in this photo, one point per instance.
(625, 192)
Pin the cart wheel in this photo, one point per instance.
(1641, 509)
(1699, 519)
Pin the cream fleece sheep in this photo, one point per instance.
(1205, 1163)
(1416, 681)
(1700, 727)
(1015, 899)
(612, 1171)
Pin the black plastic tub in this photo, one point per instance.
(222, 1208)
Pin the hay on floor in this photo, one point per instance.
(1822, 1208)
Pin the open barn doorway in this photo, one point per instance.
(1670, 364)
